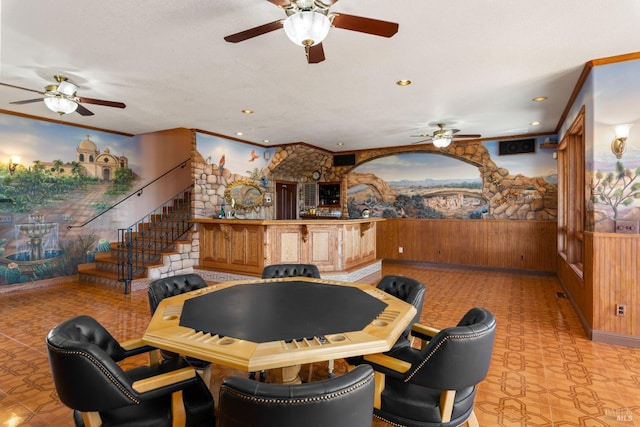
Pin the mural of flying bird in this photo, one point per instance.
(253, 156)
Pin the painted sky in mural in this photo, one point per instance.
(61, 141)
(618, 104)
(419, 166)
(237, 157)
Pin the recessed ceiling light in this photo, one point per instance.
(535, 123)
(539, 99)
(239, 133)
(247, 111)
(265, 141)
(404, 82)
(340, 143)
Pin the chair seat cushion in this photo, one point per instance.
(404, 403)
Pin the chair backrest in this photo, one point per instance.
(275, 271)
(459, 356)
(83, 357)
(344, 401)
(171, 286)
(407, 289)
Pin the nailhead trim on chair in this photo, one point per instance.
(438, 346)
(280, 401)
(388, 421)
(99, 366)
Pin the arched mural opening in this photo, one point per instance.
(416, 185)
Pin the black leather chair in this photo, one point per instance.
(408, 290)
(84, 362)
(175, 285)
(344, 401)
(435, 386)
(275, 271)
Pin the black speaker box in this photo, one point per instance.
(344, 159)
(517, 146)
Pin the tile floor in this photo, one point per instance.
(545, 372)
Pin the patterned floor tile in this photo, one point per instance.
(544, 372)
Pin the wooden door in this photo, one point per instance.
(286, 200)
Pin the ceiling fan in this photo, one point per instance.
(308, 23)
(442, 137)
(62, 98)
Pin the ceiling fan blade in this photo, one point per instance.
(364, 25)
(422, 135)
(466, 136)
(281, 3)
(424, 140)
(101, 102)
(254, 32)
(23, 88)
(315, 53)
(83, 111)
(27, 101)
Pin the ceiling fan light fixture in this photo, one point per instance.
(307, 28)
(67, 88)
(60, 104)
(442, 141)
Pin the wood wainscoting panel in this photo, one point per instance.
(616, 281)
(509, 244)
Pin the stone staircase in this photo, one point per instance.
(163, 237)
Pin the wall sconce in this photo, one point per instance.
(619, 143)
(14, 161)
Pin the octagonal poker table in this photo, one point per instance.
(255, 325)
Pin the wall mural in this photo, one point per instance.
(613, 184)
(62, 178)
(227, 161)
(430, 185)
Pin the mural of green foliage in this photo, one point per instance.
(616, 189)
(37, 186)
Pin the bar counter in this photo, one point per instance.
(245, 246)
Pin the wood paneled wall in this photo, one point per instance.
(615, 279)
(508, 244)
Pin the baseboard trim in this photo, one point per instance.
(615, 339)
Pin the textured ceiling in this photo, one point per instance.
(475, 65)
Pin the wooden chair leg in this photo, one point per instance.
(91, 419)
(473, 420)
(447, 397)
(178, 413)
(205, 374)
(154, 358)
(379, 379)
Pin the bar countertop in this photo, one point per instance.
(332, 221)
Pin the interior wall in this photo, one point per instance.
(67, 199)
(611, 277)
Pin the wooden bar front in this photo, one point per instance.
(246, 246)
